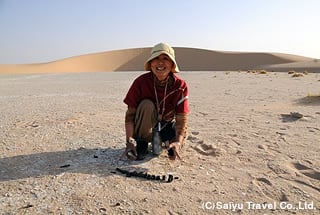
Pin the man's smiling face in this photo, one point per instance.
(161, 66)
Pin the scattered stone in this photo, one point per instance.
(102, 210)
(27, 206)
(296, 115)
(297, 74)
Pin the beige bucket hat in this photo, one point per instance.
(162, 48)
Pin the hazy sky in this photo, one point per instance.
(48, 30)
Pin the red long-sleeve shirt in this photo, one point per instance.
(176, 101)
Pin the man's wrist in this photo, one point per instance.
(178, 143)
(130, 140)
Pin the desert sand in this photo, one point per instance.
(253, 146)
(189, 59)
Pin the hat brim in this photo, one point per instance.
(147, 65)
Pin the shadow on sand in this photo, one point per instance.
(289, 117)
(88, 161)
(312, 100)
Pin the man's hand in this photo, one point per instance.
(131, 151)
(175, 147)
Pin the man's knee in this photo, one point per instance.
(146, 104)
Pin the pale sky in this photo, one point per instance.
(34, 31)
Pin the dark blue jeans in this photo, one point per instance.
(168, 131)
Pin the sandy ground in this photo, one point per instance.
(61, 136)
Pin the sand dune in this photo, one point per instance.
(310, 66)
(189, 59)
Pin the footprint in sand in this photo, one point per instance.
(207, 150)
(309, 172)
(311, 179)
(270, 149)
(193, 137)
(297, 172)
(202, 148)
(267, 189)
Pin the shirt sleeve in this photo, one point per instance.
(183, 101)
(133, 94)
